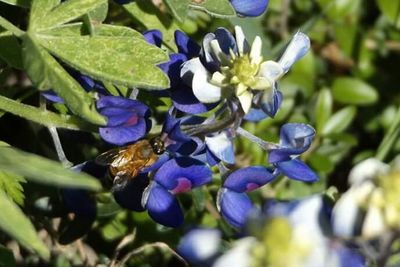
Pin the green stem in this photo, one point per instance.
(390, 138)
(44, 117)
(11, 27)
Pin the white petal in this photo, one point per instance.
(204, 91)
(242, 45)
(246, 99)
(366, 170)
(222, 147)
(201, 243)
(261, 83)
(345, 215)
(297, 48)
(218, 78)
(188, 69)
(374, 224)
(216, 48)
(239, 255)
(270, 70)
(255, 53)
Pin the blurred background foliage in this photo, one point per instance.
(347, 87)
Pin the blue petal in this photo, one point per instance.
(250, 8)
(129, 196)
(173, 68)
(234, 207)
(199, 245)
(122, 135)
(52, 96)
(248, 179)
(297, 170)
(120, 117)
(271, 106)
(297, 48)
(163, 207)
(182, 174)
(226, 40)
(123, 103)
(155, 166)
(255, 115)
(295, 138)
(211, 158)
(153, 37)
(350, 257)
(186, 45)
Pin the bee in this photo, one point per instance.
(125, 163)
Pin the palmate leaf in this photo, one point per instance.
(17, 225)
(12, 56)
(113, 54)
(11, 185)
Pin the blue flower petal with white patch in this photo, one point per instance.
(127, 119)
(186, 45)
(295, 138)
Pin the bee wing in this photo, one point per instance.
(109, 156)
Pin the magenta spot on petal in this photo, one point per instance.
(132, 120)
(183, 185)
(251, 187)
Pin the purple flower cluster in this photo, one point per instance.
(228, 79)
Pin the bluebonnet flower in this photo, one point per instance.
(250, 8)
(370, 208)
(229, 68)
(295, 138)
(127, 119)
(295, 233)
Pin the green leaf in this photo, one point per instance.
(391, 10)
(44, 117)
(47, 73)
(218, 8)
(10, 50)
(179, 8)
(16, 224)
(21, 3)
(6, 257)
(11, 185)
(122, 61)
(353, 91)
(340, 120)
(150, 17)
(39, 11)
(323, 108)
(78, 29)
(65, 12)
(42, 170)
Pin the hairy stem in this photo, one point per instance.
(11, 27)
(263, 144)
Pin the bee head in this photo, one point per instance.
(158, 145)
